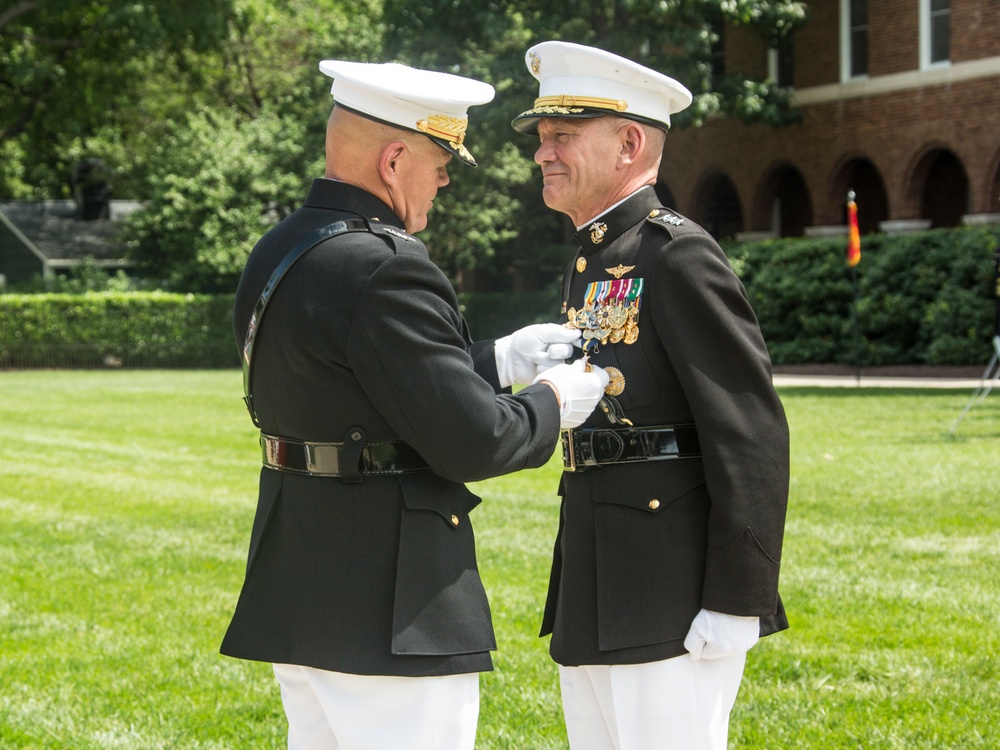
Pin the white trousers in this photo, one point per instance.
(676, 704)
(335, 711)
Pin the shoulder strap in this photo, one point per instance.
(305, 245)
(674, 224)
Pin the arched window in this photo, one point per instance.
(943, 186)
(717, 207)
(861, 176)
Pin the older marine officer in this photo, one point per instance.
(666, 563)
(375, 406)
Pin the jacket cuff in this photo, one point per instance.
(741, 578)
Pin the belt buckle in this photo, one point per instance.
(569, 455)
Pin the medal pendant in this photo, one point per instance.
(616, 382)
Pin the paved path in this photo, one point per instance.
(878, 381)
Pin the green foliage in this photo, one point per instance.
(922, 298)
(219, 184)
(154, 329)
(127, 499)
(93, 78)
(86, 277)
(495, 314)
(122, 81)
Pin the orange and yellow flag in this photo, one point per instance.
(854, 236)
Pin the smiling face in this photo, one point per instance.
(580, 165)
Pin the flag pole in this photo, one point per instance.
(853, 258)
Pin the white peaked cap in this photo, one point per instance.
(425, 101)
(579, 81)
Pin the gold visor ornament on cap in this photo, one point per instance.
(450, 129)
(594, 102)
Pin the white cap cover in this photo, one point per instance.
(579, 81)
(425, 101)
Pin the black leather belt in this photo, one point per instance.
(347, 460)
(584, 448)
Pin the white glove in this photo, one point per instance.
(579, 390)
(714, 635)
(532, 349)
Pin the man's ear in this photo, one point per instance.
(633, 142)
(390, 160)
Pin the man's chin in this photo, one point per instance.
(551, 198)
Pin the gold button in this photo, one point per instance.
(581, 265)
(654, 504)
(454, 520)
(654, 213)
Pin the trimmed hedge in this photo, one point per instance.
(923, 298)
(926, 298)
(116, 329)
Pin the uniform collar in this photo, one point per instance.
(341, 196)
(607, 227)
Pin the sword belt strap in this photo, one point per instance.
(305, 245)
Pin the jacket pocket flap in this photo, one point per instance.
(427, 491)
(650, 486)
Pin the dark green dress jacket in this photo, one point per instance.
(643, 547)
(377, 576)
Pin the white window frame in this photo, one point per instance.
(925, 38)
(845, 44)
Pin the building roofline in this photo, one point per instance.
(20, 235)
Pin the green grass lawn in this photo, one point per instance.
(126, 500)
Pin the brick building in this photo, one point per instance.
(900, 102)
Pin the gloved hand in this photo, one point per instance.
(532, 349)
(714, 635)
(579, 390)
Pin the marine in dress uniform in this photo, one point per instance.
(665, 569)
(374, 407)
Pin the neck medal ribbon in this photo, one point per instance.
(610, 312)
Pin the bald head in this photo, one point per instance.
(402, 168)
(354, 143)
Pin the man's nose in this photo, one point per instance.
(545, 153)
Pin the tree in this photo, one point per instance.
(214, 113)
(497, 222)
(242, 161)
(92, 78)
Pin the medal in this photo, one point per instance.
(616, 382)
(610, 312)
